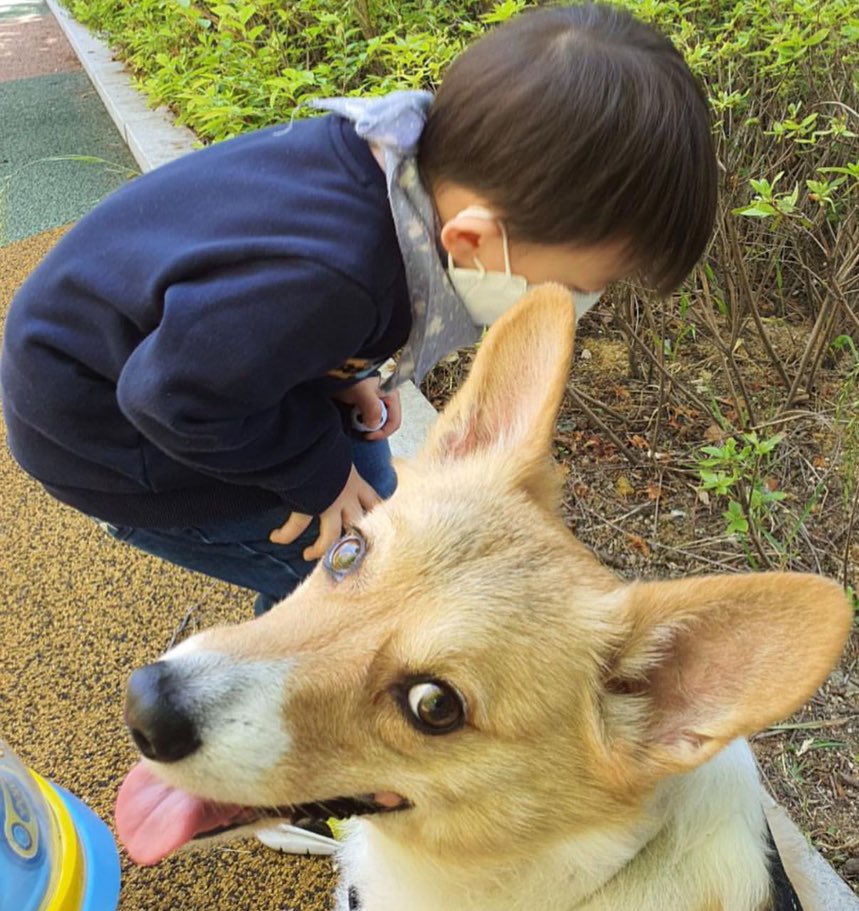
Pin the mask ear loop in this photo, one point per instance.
(484, 213)
(481, 269)
(506, 246)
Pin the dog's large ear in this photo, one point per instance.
(706, 660)
(509, 402)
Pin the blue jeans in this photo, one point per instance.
(239, 550)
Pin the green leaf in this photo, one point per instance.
(756, 210)
(735, 520)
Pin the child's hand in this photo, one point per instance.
(354, 500)
(366, 397)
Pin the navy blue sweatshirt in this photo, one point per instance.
(172, 360)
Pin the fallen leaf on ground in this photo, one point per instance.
(623, 487)
(637, 543)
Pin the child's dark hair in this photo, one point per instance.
(581, 124)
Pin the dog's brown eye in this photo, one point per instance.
(344, 555)
(436, 707)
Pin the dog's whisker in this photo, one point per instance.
(276, 811)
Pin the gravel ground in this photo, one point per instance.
(81, 611)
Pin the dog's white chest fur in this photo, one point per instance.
(696, 821)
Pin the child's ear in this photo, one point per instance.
(463, 235)
(510, 399)
(709, 659)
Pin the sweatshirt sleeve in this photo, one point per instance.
(228, 382)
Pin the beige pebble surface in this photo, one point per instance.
(78, 612)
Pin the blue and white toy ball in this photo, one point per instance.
(55, 853)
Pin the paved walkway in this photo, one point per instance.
(59, 151)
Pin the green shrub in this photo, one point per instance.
(227, 67)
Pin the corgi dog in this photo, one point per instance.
(506, 724)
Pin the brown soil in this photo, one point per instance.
(627, 448)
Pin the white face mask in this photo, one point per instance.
(487, 295)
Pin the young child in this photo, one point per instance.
(183, 365)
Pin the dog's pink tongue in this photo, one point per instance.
(153, 819)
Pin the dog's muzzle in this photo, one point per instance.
(173, 708)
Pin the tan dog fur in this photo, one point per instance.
(599, 768)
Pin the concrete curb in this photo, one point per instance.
(154, 139)
(150, 134)
(819, 887)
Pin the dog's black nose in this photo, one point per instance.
(162, 730)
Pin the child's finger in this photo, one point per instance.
(395, 412)
(294, 526)
(367, 498)
(330, 529)
(394, 418)
(367, 410)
